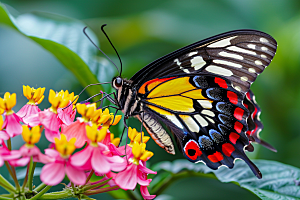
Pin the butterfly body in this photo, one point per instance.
(199, 93)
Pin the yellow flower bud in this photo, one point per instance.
(32, 136)
(63, 146)
(94, 134)
(8, 102)
(35, 96)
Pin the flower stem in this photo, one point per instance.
(57, 195)
(9, 144)
(40, 187)
(12, 174)
(96, 185)
(89, 177)
(6, 185)
(26, 178)
(30, 174)
(38, 195)
(101, 190)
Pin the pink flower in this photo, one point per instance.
(3, 136)
(132, 175)
(77, 130)
(27, 110)
(66, 115)
(12, 125)
(24, 156)
(145, 193)
(50, 120)
(54, 172)
(5, 155)
(35, 97)
(96, 158)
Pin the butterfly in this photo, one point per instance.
(201, 94)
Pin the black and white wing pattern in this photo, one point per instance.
(238, 56)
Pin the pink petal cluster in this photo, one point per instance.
(54, 172)
(101, 157)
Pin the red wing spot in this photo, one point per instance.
(238, 113)
(233, 137)
(221, 82)
(246, 105)
(227, 149)
(216, 157)
(248, 95)
(192, 150)
(238, 127)
(233, 98)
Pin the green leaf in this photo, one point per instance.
(279, 181)
(64, 39)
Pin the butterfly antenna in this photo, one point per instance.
(102, 28)
(100, 49)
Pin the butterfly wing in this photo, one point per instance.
(238, 56)
(253, 119)
(207, 117)
(198, 92)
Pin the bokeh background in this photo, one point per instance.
(143, 31)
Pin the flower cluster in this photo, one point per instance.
(78, 149)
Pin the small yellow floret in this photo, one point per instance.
(35, 96)
(136, 136)
(61, 99)
(87, 111)
(32, 136)
(63, 146)
(94, 134)
(107, 118)
(1, 122)
(114, 141)
(8, 102)
(140, 153)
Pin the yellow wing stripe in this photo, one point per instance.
(194, 94)
(175, 103)
(172, 87)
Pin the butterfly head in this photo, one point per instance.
(117, 82)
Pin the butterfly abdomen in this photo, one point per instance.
(157, 132)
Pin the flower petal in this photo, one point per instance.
(127, 179)
(50, 120)
(99, 162)
(13, 126)
(78, 131)
(80, 158)
(145, 193)
(75, 175)
(53, 173)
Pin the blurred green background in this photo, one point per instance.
(143, 31)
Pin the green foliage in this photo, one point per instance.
(70, 46)
(279, 181)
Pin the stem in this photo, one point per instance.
(9, 144)
(30, 174)
(15, 177)
(37, 196)
(12, 174)
(98, 191)
(57, 195)
(96, 185)
(26, 178)
(6, 185)
(40, 187)
(89, 177)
